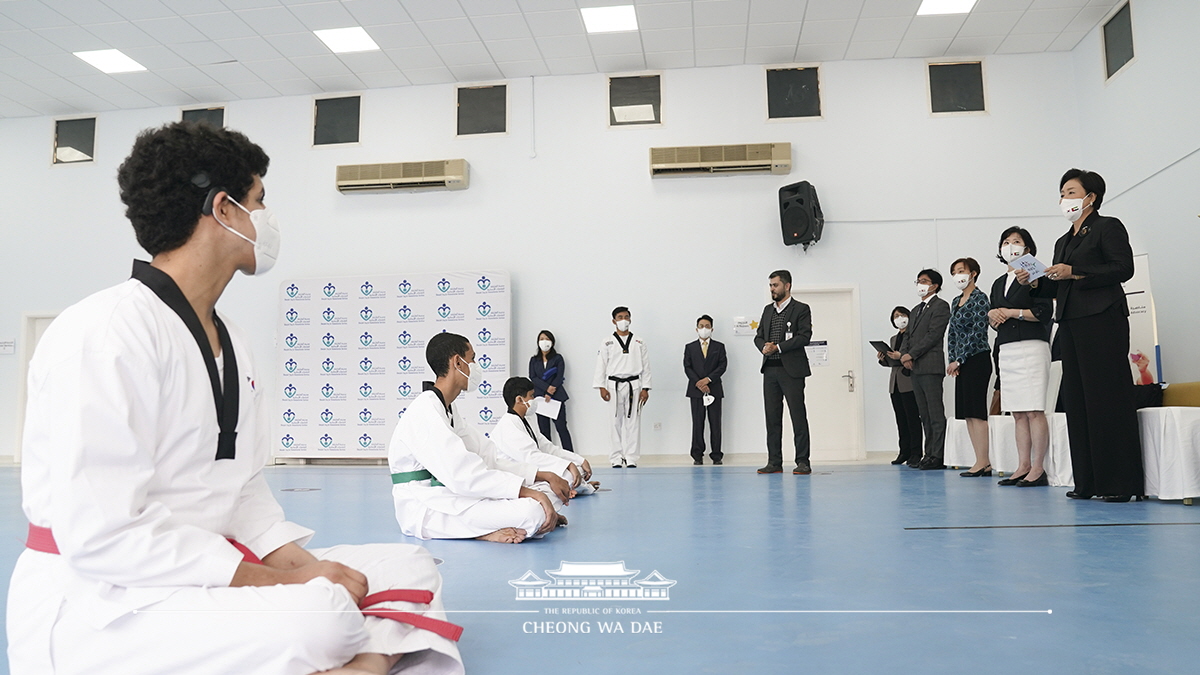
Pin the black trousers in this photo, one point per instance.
(699, 411)
(564, 436)
(908, 423)
(778, 385)
(1097, 394)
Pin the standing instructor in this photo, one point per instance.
(783, 332)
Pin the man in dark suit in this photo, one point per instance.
(783, 332)
(921, 352)
(704, 362)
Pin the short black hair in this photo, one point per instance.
(1030, 247)
(1090, 180)
(514, 387)
(704, 317)
(618, 310)
(784, 276)
(167, 177)
(443, 347)
(900, 309)
(971, 264)
(934, 276)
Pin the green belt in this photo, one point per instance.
(409, 476)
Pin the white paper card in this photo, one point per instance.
(741, 326)
(708, 399)
(549, 408)
(1030, 264)
(818, 353)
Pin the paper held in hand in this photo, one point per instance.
(1030, 264)
(548, 409)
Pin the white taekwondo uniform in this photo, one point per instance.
(623, 367)
(120, 463)
(520, 441)
(450, 481)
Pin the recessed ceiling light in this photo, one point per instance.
(347, 40)
(609, 19)
(111, 61)
(929, 7)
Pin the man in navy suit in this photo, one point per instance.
(704, 362)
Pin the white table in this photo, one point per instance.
(1171, 452)
(1002, 447)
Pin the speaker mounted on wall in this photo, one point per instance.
(800, 214)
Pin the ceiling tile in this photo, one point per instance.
(58, 87)
(188, 7)
(250, 4)
(249, 49)
(882, 28)
(1056, 4)
(170, 30)
(479, 72)
(337, 84)
(249, 90)
(7, 24)
(377, 12)
(1088, 18)
(620, 63)
(89, 103)
(720, 57)
(51, 106)
(428, 10)
(664, 60)
(1067, 41)
(185, 78)
(991, 23)
(466, 53)
(501, 27)
(29, 43)
(67, 65)
(210, 94)
(21, 68)
(487, 7)
(616, 43)
(121, 35)
(448, 31)
(1001, 5)
(974, 46)
(931, 27)
(127, 100)
(565, 47)
(156, 57)
(140, 9)
(85, 11)
(228, 73)
(923, 48)
(665, 15)
(391, 78)
(826, 10)
(545, 5)
(720, 12)
(667, 40)
(272, 21)
(143, 81)
(429, 75)
(201, 53)
(1022, 44)
(296, 87)
(72, 38)
(881, 8)
(170, 97)
(720, 37)
(771, 11)
(513, 50)
(320, 66)
(275, 69)
(571, 66)
(1038, 21)
(884, 49)
(367, 62)
(524, 68)
(221, 26)
(415, 58)
(773, 34)
(323, 15)
(12, 109)
(817, 53)
(31, 14)
(100, 85)
(770, 55)
(19, 91)
(298, 44)
(397, 36)
(826, 32)
(545, 24)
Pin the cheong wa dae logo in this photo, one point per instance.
(592, 581)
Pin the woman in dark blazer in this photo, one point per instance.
(904, 402)
(1090, 262)
(1022, 325)
(546, 369)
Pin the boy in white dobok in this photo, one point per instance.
(623, 363)
(155, 544)
(451, 482)
(521, 442)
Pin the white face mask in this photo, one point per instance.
(1011, 252)
(704, 333)
(266, 237)
(900, 322)
(961, 281)
(545, 345)
(623, 325)
(1072, 209)
(923, 290)
(474, 376)
(528, 408)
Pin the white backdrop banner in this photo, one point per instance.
(1145, 361)
(351, 354)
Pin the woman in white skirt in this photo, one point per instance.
(1022, 325)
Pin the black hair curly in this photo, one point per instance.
(171, 170)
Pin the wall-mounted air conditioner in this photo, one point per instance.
(446, 174)
(773, 158)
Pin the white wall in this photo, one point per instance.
(582, 227)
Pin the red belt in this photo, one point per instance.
(42, 539)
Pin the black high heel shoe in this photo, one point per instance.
(1043, 481)
(1078, 495)
(1117, 499)
(985, 471)
(1012, 480)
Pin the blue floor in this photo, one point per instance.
(855, 569)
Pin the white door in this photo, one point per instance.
(833, 394)
(32, 328)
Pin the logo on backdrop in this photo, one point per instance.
(404, 389)
(405, 313)
(293, 290)
(327, 416)
(485, 388)
(484, 308)
(326, 441)
(485, 361)
(484, 335)
(290, 365)
(292, 315)
(364, 440)
(405, 287)
(485, 414)
(365, 415)
(329, 290)
(484, 283)
(366, 313)
(444, 310)
(287, 441)
(443, 285)
(404, 338)
(404, 363)
(592, 581)
(289, 416)
(366, 339)
(327, 391)
(290, 391)
(291, 341)
(366, 288)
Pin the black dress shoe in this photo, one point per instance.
(899, 460)
(914, 464)
(1078, 495)
(770, 468)
(1012, 480)
(932, 466)
(697, 462)
(985, 471)
(802, 469)
(631, 466)
(1117, 499)
(618, 466)
(1042, 481)
(717, 462)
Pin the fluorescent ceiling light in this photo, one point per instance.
(609, 19)
(929, 7)
(111, 61)
(347, 40)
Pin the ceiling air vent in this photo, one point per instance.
(773, 158)
(446, 174)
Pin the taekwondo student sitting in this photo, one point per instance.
(517, 439)
(624, 363)
(155, 544)
(451, 482)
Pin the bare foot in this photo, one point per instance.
(505, 535)
(562, 520)
(366, 664)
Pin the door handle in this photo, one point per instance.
(849, 377)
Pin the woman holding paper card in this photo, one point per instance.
(1091, 260)
(546, 369)
(900, 388)
(1022, 325)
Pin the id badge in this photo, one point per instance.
(787, 336)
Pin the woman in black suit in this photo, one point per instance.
(904, 402)
(1090, 262)
(546, 369)
(1022, 325)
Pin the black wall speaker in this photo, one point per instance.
(800, 214)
